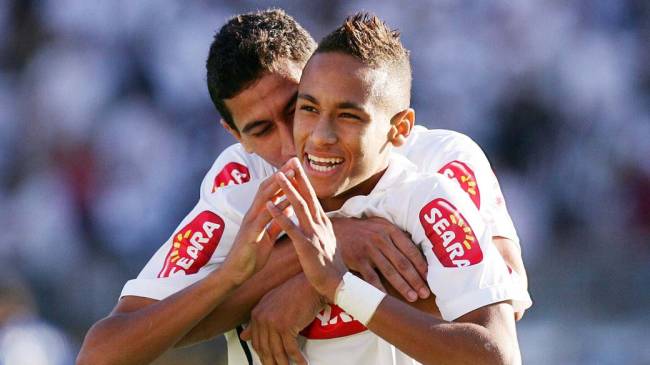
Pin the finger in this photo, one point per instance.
(268, 190)
(370, 275)
(263, 218)
(404, 266)
(304, 187)
(277, 349)
(246, 334)
(264, 350)
(292, 350)
(255, 335)
(410, 250)
(519, 315)
(393, 276)
(274, 229)
(299, 205)
(302, 245)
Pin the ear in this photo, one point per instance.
(235, 133)
(401, 126)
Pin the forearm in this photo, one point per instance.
(431, 340)
(140, 336)
(236, 308)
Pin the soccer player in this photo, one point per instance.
(353, 106)
(257, 109)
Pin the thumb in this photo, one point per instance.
(246, 334)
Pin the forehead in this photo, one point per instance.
(339, 77)
(267, 97)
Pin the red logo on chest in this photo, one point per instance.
(332, 322)
(465, 177)
(453, 240)
(193, 245)
(232, 173)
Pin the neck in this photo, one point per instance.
(364, 188)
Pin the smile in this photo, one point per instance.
(323, 164)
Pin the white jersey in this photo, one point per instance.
(205, 236)
(458, 157)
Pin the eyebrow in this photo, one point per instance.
(342, 105)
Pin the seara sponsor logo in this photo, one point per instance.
(453, 240)
(232, 173)
(464, 176)
(193, 245)
(332, 322)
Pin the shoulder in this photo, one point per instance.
(439, 139)
(234, 200)
(234, 166)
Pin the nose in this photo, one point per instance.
(324, 133)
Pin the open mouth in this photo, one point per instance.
(323, 164)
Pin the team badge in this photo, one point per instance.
(453, 240)
(465, 177)
(193, 245)
(232, 173)
(332, 322)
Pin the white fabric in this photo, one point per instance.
(431, 150)
(359, 298)
(443, 151)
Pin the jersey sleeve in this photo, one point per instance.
(197, 247)
(465, 270)
(460, 159)
(234, 166)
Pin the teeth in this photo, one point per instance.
(321, 168)
(331, 160)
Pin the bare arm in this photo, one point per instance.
(139, 330)
(484, 336)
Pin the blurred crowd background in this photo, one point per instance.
(106, 130)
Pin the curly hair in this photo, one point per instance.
(248, 46)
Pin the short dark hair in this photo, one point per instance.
(369, 39)
(248, 46)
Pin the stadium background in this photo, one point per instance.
(106, 130)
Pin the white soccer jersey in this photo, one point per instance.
(199, 245)
(458, 157)
(465, 270)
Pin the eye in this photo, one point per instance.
(308, 108)
(349, 116)
(264, 131)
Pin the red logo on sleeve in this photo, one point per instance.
(232, 173)
(193, 245)
(332, 322)
(465, 177)
(453, 240)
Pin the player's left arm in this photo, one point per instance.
(466, 164)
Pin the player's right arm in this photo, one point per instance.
(139, 329)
